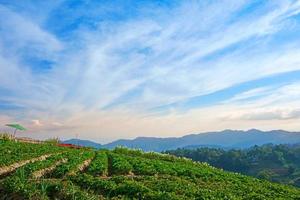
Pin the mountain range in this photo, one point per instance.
(223, 139)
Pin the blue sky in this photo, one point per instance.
(121, 69)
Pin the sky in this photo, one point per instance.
(105, 70)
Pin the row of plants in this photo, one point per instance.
(118, 165)
(46, 190)
(153, 178)
(134, 175)
(19, 182)
(145, 166)
(99, 165)
(12, 152)
(17, 188)
(66, 190)
(149, 155)
(121, 187)
(209, 178)
(75, 158)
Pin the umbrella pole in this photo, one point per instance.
(15, 133)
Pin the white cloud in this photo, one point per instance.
(22, 32)
(173, 68)
(20, 37)
(164, 59)
(253, 93)
(36, 122)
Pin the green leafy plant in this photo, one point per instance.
(124, 174)
(99, 165)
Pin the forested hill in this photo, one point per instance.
(279, 163)
(48, 172)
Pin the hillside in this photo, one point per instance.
(84, 143)
(277, 163)
(224, 139)
(45, 171)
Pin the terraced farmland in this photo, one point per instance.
(44, 171)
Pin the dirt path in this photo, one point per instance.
(81, 167)
(42, 172)
(13, 167)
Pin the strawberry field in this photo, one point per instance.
(45, 171)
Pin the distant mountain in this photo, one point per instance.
(224, 139)
(85, 143)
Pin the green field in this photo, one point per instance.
(66, 173)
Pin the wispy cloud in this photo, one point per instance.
(80, 69)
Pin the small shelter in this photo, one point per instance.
(16, 127)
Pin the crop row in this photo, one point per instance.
(145, 166)
(19, 181)
(46, 190)
(25, 186)
(175, 188)
(99, 165)
(130, 174)
(65, 190)
(122, 187)
(175, 176)
(118, 165)
(75, 159)
(12, 152)
(149, 155)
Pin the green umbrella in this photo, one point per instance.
(16, 127)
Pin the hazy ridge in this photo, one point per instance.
(223, 139)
